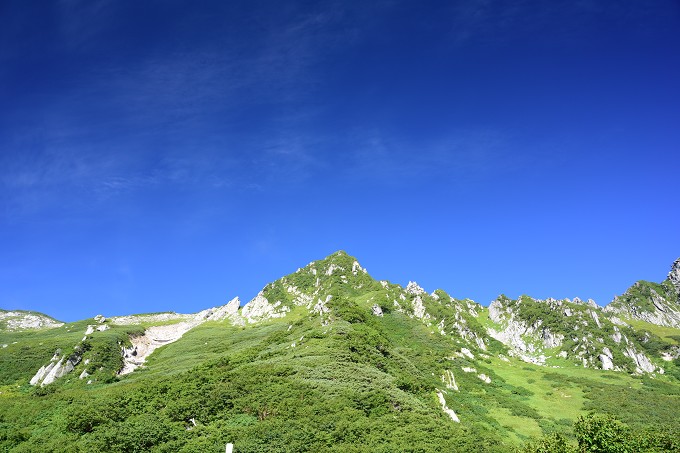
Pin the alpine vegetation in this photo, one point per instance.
(328, 358)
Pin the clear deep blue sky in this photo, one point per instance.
(165, 155)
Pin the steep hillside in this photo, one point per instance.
(330, 359)
(557, 332)
(655, 303)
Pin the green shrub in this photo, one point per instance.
(602, 433)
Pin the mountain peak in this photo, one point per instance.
(414, 289)
(339, 262)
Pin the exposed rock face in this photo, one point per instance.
(417, 294)
(320, 307)
(606, 359)
(299, 297)
(356, 268)
(228, 311)
(521, 325)
(413, 289)
(674, 274)
(63, 367)
(260, 308)
(596, 319)
(532, 329)
(42, 372)
(21, 320)
(58, 367)
(449, 380)
(155, 318)
(332, 268)
(157, 336)
(526, 341)
(467, 353)
(153, 338)
(418, 307)
(460, 324)
(641, 360)
(99, 328)
(672, 354)
(663, 312)
(446, 409)
(651, 302)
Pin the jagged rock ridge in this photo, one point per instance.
(536, 331)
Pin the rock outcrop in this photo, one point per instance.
(526, 340)
(655, 303)
(259, 309)
(449, 380)
(154, 337)
(57, 367)
(445, 408)
(642, 362)
(60, 365)
(23, 320)
(535, 330)
(674, 275)
(607, 359)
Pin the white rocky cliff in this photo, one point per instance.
(674, 275)
(259, 309)
(524, 340)
(156, 336)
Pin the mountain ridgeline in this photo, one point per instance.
(330, 359)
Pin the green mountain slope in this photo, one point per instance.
(655, 303)
(568, 333)
(330, 359)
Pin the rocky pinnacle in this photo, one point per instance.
(674, 274)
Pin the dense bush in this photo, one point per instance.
(605, 434)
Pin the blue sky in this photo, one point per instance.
(167, 155)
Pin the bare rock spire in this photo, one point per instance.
(674, 274)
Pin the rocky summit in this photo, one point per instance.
(328, 358)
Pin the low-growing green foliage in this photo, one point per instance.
(604, 433)
(343, 380)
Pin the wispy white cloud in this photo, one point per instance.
(155, 122)
(173, 117)
(76, 180)
(461, 155)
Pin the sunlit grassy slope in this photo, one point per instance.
(345, 381)
(347, 386)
